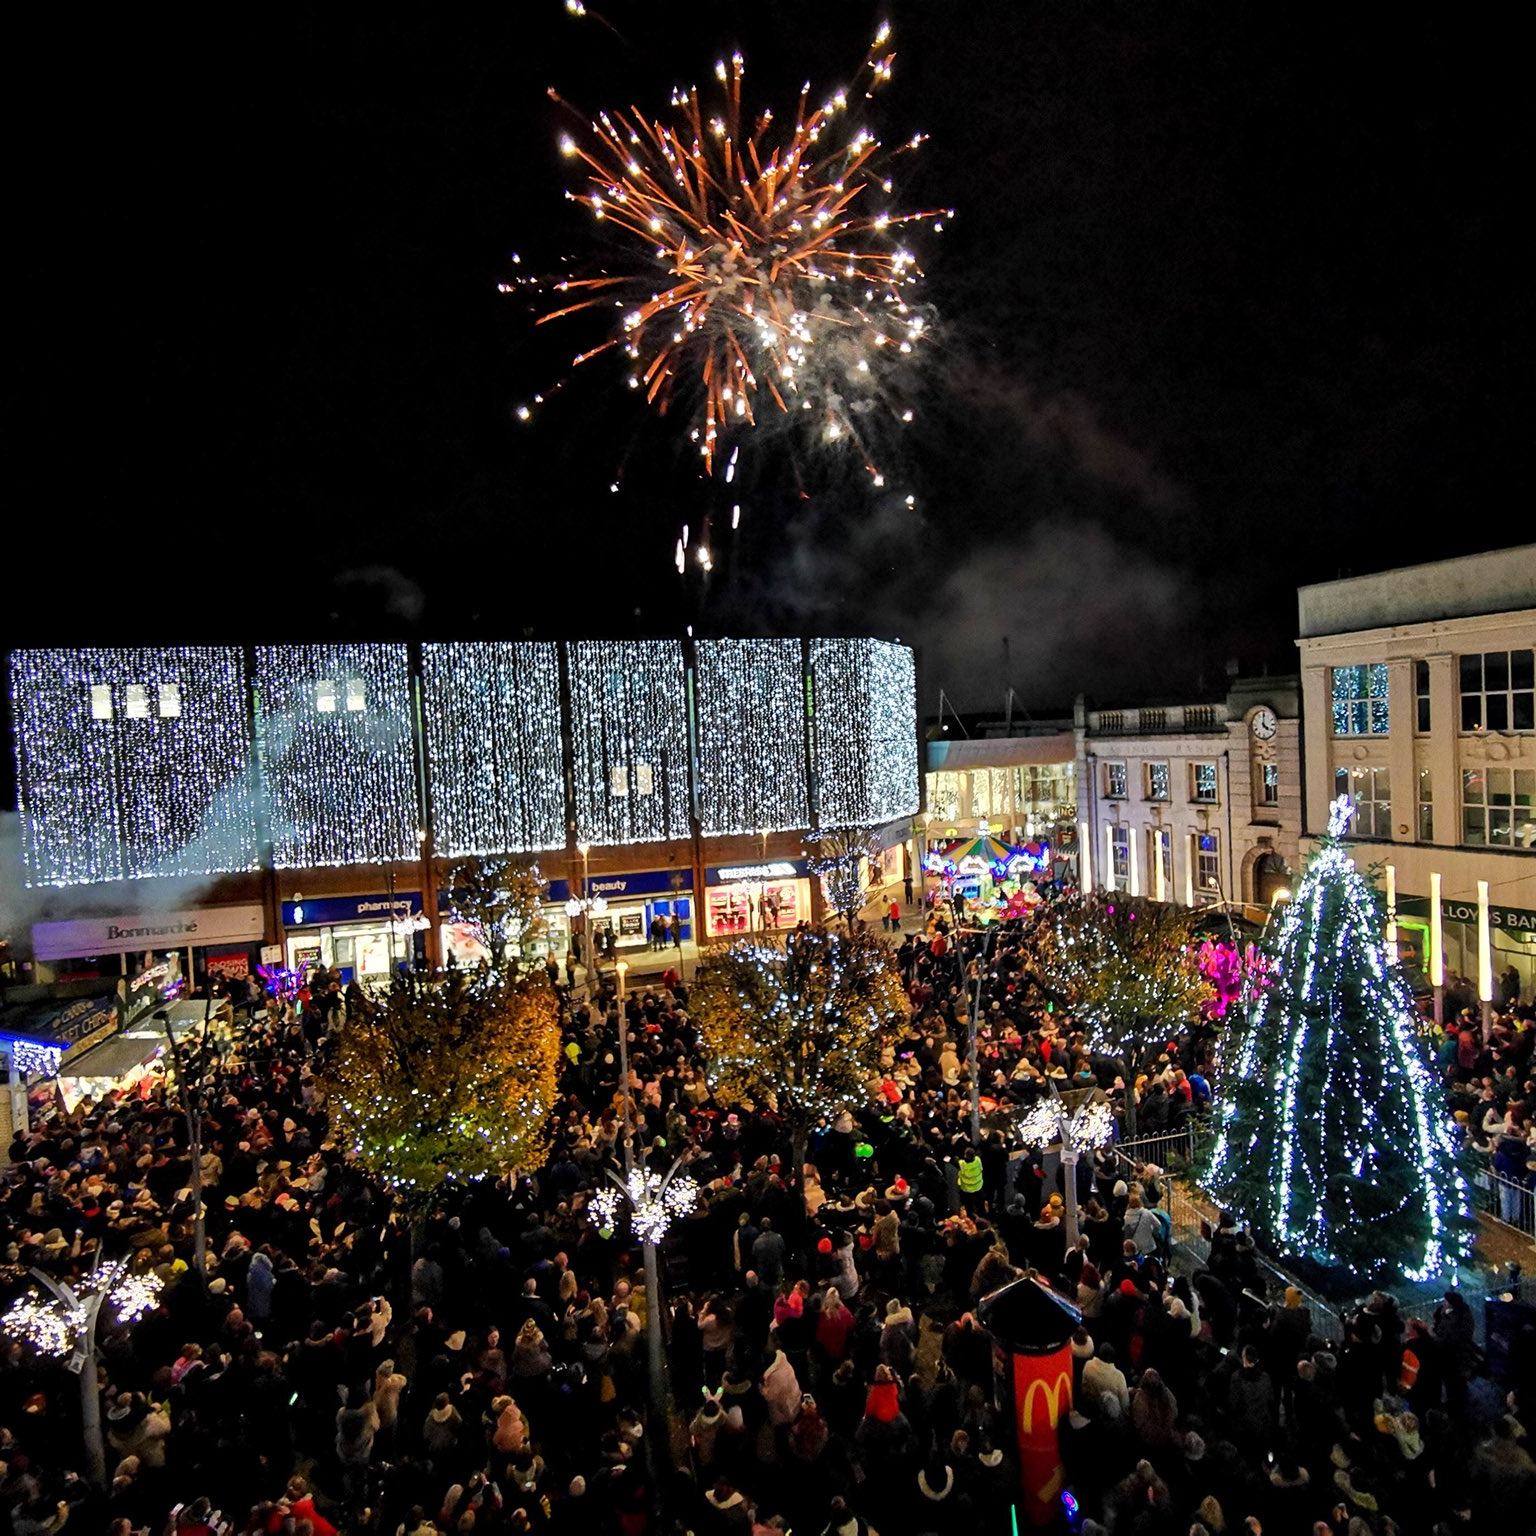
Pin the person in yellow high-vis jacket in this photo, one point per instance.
(971, 1179)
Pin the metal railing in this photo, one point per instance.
(1507, 1202)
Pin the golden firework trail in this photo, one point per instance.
(759, 274)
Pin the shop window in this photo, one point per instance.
(1269, 784)
(1371, 791)
(1360, 700)
(1498, 807)
(1498, 691)
(1157, 781)
(1208, 864)
(1426, 806)
(645, 779)
(1202, 783)
(325, 696)
(357, 696)
(1421, 697)
(1120, 852)
(1114, 781)
(101, 701)
(169, 701)
(136, 701)
(618, 781)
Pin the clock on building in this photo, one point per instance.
(1263, 725)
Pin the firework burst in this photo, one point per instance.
(758, 276)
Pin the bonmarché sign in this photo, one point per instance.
(127, 933)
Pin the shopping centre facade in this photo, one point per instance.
(304, 802)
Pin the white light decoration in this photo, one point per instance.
(629, 711)
(750, 709)
(340, 783)
(56, 1326)
(132, 763)
(864, 718)
(34, 1058)
(1336, 1141)
(655, 1201)
(47, 1325)
(494, 756)
(1090, 1126)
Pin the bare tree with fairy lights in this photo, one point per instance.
(446, 1081)
(1335, 1141)
(838, 855)
(500, 902)
(800, 1026)
(1124, 967)
(61, 1324)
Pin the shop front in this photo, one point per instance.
(1511, 942)
(360, 936)
(201, 936)
(753, 898)
(624, 906)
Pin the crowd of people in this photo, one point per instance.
(342, 1367)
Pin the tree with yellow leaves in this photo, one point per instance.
(800, 1025)
(1125, 967)
(447, 1080)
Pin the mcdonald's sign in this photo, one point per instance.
(1052, 1398)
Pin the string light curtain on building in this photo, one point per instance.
(338, 763)
(494, 754)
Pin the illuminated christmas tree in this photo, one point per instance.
(1335, 1142)
(447, 1081)
(798, 1026)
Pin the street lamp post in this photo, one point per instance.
(1049, 1122)
(971, 1055)
(65, 1326)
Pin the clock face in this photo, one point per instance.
(1264, 724)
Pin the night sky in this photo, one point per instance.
(1230, 302)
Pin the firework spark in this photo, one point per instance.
(759, 275)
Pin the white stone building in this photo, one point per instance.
(1194, 803)
(1419, 701)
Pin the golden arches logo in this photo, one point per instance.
(1057, 1398)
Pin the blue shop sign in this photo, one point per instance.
(646, 882)
(325, 911)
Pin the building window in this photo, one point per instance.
(1202, 783)
(357, 697)
(169, 700)
(1157, 781)
(1162, 865)
(325, 696)
(136, 701)
(1371, 790)
(1360, 700)
(1426, 806)
(1498, 691)
(101, 701)
(1421, 697)
(1269, 784)
(1498, 807)
(1120, 856)
(1114, 781)
(1208, 864)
